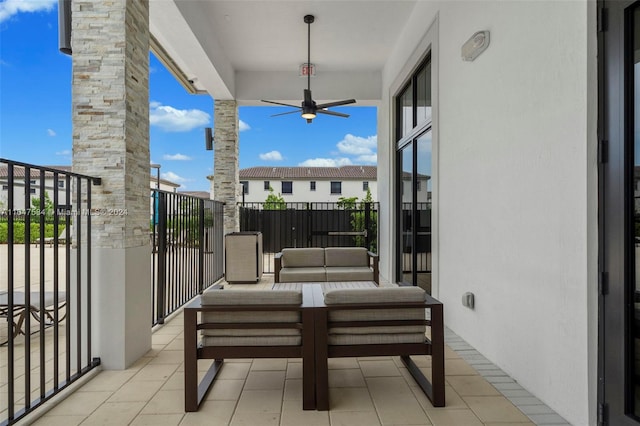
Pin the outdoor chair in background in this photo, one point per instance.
(42, 309)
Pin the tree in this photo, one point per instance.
(358, 223)
(47, 210)
(274, 202)
(347, 203)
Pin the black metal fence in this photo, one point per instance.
(45, 286)
(310, 225)
(187, 240)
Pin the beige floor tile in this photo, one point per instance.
(450, 353)
(472, 386)
(294, 415)
(293, 390)
(294, 370)
(108, 381)
(451, 398)
(269, 364)
(225, 390)
(510, 424)
(139, 364)
(263, 401)
(176, 344)
(458, 367)
(259, 380)
(48, 420)
(142, 390)
(234, 370)
(114, 413)
(211, 413)
(346, 378)
(350, 399)
(454, 418)
(495, 409)
(379, 368)
(419, 360)
(165, 402)
(169, 329)
(351, 418)
(394, 401)
(249, 418)
(161, 339)
(80, 403)
(168, 357)
(155, 372)
(157, 420)
(342, 363)
(175, 382)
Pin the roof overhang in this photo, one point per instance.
(252, 50)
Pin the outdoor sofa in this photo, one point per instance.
(314, 324)
(326, 264)
(247, 324)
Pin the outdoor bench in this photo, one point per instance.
(326, 264)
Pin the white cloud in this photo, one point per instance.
(368, 158)
(171, 119)
(242, 126)
(8, 8)
(65, 152)
(173, 177)
(176, 157)
(51, 132)
(326, 162)
(357, 145)
(271, 156)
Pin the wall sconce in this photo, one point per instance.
(477, 44)
(208, 138)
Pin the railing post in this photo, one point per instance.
(367, 225)
(201, 246)
(162, 251)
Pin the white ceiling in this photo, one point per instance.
(251, 50)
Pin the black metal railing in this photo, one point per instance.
(187, 240)
(45, 294)
(314, 224)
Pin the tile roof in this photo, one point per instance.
(343, 172)
(18, 171)
(199, 194)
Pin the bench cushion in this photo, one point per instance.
(292, 275)
(349, 273)
(302, 257)
(346, 256)
(376, 334)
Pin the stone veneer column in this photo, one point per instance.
(225, 161)
(110, 99)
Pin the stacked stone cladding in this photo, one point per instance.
(226, 172)
(110, 101)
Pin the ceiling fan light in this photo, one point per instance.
(308, 113)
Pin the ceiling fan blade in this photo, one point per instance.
(285, 113)
(307, 96)
(280, 103)
(337, 103)
(337, 114)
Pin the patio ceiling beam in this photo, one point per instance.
(173, 32)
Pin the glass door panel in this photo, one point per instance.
(423, 211)
(406, 216)
(633, 374)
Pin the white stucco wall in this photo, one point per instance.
(514, 181)
(302, 193)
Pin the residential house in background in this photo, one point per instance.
(50, 184)
(308, 184)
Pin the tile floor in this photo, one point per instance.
(363, 391)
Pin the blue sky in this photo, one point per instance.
(35, 112)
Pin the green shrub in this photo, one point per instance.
(18, 232)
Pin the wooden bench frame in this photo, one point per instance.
(195, 392)
(434, 389)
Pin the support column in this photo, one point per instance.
(110, 99)
(225, 161)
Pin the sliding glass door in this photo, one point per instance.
(414, 180)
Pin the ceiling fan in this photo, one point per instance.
(309, 107)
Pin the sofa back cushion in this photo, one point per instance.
(346, 256)
(302, 257)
